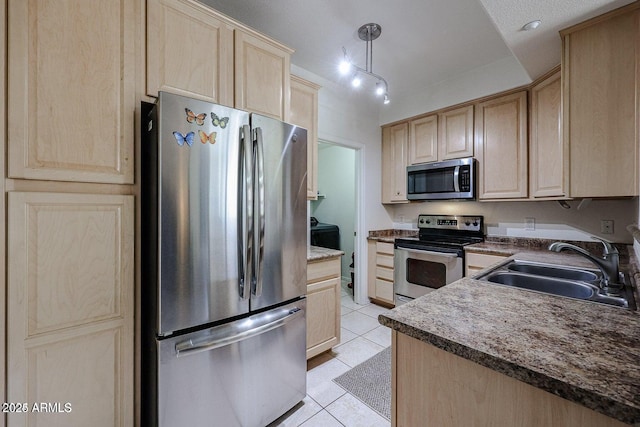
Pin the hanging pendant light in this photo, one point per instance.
(368, 33)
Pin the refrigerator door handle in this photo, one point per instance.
(246, 179)
(228, 334)
(260, 211)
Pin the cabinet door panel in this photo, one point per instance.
(304, 113)
(548, 161)
(322, 322)
(71, 90)
(262, 80)
(501, 147)
(423, 140)
(394, 163)
(455, 133)
(70, 311)
(189, 51)
(600, 74)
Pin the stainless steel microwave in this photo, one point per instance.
(451, 179)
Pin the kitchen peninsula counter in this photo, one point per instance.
(316, 253)
(390, 235)
(584, 352)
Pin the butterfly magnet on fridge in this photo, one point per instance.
(219, 122)
(204, 138)
(195, 118)
(181, 139)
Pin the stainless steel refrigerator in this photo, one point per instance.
(223, 213)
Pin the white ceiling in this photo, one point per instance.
(423, 42)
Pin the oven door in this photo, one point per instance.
(417, 272)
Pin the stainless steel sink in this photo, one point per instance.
(549, 285)
(565, 281)
(556, 271)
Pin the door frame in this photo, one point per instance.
(360, 294)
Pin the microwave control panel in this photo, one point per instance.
(465, 178)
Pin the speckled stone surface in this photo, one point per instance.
(388, 236)
(584, 352)
(495, 245)
(316, 253)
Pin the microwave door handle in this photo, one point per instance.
(456, 179)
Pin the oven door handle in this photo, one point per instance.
(440, 254)
(432, 256)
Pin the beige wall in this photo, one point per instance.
(587, 219)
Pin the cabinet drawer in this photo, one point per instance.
(482, 261)
(384, 290)
(384, 248)
(384, 260)
(384, 273)
(319, 270)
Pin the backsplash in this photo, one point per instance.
(551, 221)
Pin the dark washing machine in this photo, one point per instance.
(325, 235)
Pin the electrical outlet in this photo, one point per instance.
(530, 224)
(606, 226)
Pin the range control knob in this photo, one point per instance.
(467, 223)
(475, 223)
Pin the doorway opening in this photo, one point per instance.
(337, 206)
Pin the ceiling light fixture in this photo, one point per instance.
(368, 33)
(531, 25)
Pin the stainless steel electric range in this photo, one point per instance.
(436, 257)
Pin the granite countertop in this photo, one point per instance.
(316, 253)
(585, 352)
(389, 236)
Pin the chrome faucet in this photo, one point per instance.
(608, 264)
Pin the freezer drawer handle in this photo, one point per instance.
(189, 347)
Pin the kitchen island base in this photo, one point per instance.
(447, 390)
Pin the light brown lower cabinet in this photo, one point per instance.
(475, 262)
(432, 384)
(70, 309)
(323, 305)
(380, 272)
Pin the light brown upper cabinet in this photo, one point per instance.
(600, 110)
(394, 163)
(304, 113)
(262, 77)
(455, 133)
(189, 51)
(548, 152)
(501, 147)
(423, 140)
(71, 90)
(194, 51)
(442, 136)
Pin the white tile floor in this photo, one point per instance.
(327, 404)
